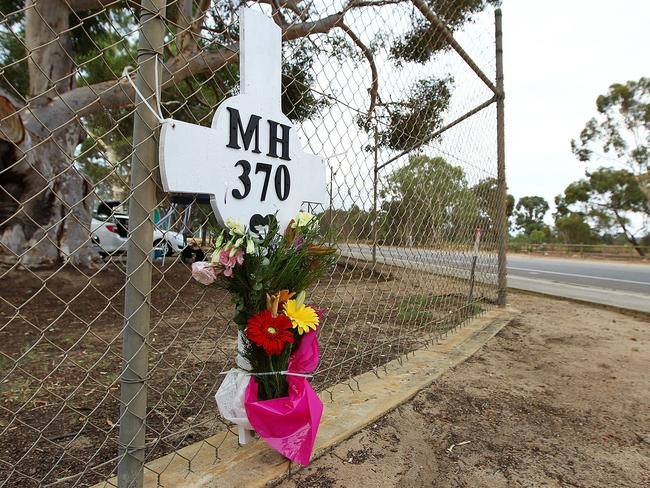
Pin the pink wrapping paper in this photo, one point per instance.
(305, 358)
(290, 424)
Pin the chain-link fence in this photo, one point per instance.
(109, 353)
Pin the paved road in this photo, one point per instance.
(616, 276)
(620, 284)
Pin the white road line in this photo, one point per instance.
(580, 276)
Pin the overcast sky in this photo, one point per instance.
(558, 57)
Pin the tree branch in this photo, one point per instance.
(184, 38)
(292, 5)
(278, 18)
(304, 29)
(199, 20)
(374, 3)
(644, 184)
(114, 94)
(374, 83)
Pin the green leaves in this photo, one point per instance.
(425, 40)
(574, 229)
(608, 198)
(277, 265)
(428, 199)
(412, 121)
(622, 128)
(608, 188)
(529, 214)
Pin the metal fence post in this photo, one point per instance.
(142, 201)
(375, 181)
(502, 221)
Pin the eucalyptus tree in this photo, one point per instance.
(428, 200)
(611, 199)
(620, 131)
(62, 78)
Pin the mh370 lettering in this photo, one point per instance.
(278, 148)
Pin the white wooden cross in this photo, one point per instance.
(250, 161)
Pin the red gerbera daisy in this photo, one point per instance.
(270, 333)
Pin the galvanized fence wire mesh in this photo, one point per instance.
(404, 115)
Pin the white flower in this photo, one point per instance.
(303, 219)
(260, 231)
(235, 227)
(219, 241)
(250, 246)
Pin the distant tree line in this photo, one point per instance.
(610, 205)
(427, 201)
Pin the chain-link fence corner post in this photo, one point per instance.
(502, 222)
(142, 202)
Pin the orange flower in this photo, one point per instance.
(286, 295)
(273, 300)
(313, 250)
(290, 233)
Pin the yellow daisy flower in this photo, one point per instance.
(301, 316)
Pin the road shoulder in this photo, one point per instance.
(602, 296)
(554, 399)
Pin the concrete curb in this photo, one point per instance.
(257, 465)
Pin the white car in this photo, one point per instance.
(110, 234)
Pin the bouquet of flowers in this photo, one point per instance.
(267, 273)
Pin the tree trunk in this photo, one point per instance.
(47, 202)
(628, 235)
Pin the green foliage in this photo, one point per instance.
(541, 235)
(299, 101)
(409, 123)
(109, 34)
(414, 308)
(13, 58)
(573, 228)
(621, 129)
(9, 6)
(487, 196)
(529, 214)
(537, 237)
(428, 200)
(607, 189)
(608, 198)
(510, 207)
(13, 75)
(354, 224)
(424, 40)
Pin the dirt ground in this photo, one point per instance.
(61, 341)
(560, 397)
